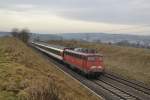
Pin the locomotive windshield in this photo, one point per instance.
(85, 50)
(91, 59)
(94, 58)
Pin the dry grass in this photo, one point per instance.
(25, 75)
(133, 63)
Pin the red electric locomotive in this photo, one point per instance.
(89, 62)
(86, 60)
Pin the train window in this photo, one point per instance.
(100, 58)
(75, 55)
(80, 57)
(91, 58)
(84, 57)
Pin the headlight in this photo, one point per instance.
(93, 67)
(99, 67)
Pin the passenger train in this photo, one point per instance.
(88, 61)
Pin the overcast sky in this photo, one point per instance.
(64, 16)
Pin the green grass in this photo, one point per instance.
(4, 95)
(25, 75)
(133, 63)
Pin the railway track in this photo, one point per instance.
(128, 91)
(109, 86)
(133, 84)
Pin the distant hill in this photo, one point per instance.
(103, 37)
(4, 34)
(42, 37)
(92, 37)
(45, 37)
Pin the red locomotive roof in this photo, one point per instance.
(51, 46)
(84, 54)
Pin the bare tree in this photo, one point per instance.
(23, 35)
(15, 32)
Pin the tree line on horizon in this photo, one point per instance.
(23, 35)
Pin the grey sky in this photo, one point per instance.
(105, 15)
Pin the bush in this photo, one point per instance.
(40, 90)
(23, 35)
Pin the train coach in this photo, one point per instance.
(87, 61)
(52, 50)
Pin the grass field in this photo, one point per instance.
(133, 63)
(25, 75)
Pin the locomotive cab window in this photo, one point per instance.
(99, 58)
(91, 58)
